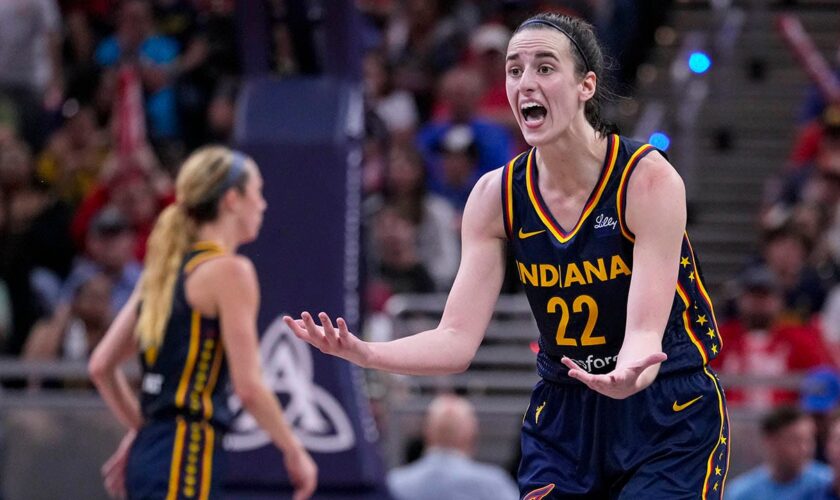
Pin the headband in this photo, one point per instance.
(551, 24)
(235, 172)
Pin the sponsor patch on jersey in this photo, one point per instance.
(606, 223)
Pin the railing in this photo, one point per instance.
(53, 440)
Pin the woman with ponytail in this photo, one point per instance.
(192, 320)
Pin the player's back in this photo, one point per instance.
(187, 375)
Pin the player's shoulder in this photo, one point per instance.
(229, 269)
(654, 173)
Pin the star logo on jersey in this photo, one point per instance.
(317, 419)
(523, 235)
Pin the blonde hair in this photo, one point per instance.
(198, 188)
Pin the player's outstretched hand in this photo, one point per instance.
(303, 473)
(113, 471)
(329, 339)
(620, 383)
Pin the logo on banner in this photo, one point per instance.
(317, 418)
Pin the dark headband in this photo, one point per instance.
(551, 24)
(235, 172)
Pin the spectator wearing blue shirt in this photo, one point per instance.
(790, 471)
(460, 93)
(447, 469)
(156, 57)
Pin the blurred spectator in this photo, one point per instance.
(458, 170)
(137, 44)
(137, 187)
(758, 342)
(815, 102)
(447, 469)
(789, 472)
(109, 249)
(820, 398)
(208, 40)
(488, 47)
(75, 154)
(785, 253)
(803, 182)
(423, 43)
(832, 446)
(221, 113)
(30, 64)
(460, 91)
(395, 107)
(74, 335)
(433, 220)
(399, 268)
(35, 249)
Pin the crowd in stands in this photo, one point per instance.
(101, 100)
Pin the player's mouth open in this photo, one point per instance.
(533, 113)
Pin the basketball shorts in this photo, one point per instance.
(670, 441)
(175, 459)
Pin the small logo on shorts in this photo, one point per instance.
(539, 493)
(681, 407)
(537, 414)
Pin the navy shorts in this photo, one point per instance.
(175, 459)
(669, 441)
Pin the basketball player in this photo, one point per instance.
(193, 320)
(627, 407)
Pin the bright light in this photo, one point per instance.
(699, 62)
(660, 141)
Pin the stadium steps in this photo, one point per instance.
(757, 115)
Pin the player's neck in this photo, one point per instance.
(216, 231)
(573, 161)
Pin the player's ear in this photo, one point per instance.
(228, 200)
(588, 85)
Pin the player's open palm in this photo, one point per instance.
(327, 338)
(620, 383)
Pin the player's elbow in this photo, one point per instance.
(99, 366)
(248, 391)
(462, 352)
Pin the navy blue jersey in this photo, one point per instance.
(577, 279)
(187, 375)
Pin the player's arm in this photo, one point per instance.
(236, 290)
(656, 214)
(451, 346)
(118, 345)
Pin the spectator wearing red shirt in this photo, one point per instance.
(759, 342)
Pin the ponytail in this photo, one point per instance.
(169, 241)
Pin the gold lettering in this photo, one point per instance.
(600, 272)
(618, 266)
(545, 271)
(532, 276)
(573, 275)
